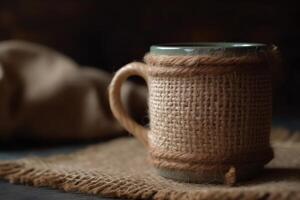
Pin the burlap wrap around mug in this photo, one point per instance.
(210, 107)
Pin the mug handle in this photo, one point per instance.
(117, 108)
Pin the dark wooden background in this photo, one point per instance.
(109, 34)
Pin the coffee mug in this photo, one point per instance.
(210, 108)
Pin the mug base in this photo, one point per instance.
(217, 177)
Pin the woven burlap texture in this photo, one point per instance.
(120, 168)
(187, 112)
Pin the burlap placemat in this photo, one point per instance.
(119, 168)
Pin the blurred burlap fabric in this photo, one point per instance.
(119, 168)
(46, 95)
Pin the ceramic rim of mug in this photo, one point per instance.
(204, 48)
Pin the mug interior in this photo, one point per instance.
(206, 48)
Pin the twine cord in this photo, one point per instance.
(115, 100)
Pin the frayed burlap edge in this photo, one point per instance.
(21, 172)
